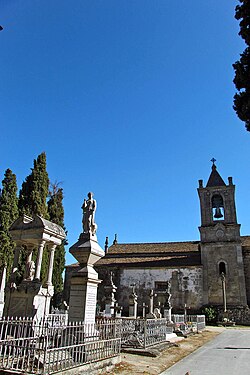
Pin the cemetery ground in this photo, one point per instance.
(138, 364)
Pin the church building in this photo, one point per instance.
(194, 269)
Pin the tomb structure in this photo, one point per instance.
(30, 297)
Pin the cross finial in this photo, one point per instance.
(213, 160)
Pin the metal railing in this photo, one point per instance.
(142, 333)
(40, 348)
(197, 321)
(57, 320)
(189, 323)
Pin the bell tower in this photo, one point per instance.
(221, 249)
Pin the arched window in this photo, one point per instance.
(217, 207)
(222, 268)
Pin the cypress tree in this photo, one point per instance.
(8, 214)
(33, 201)
(56, 215)
(34, 192)
(242, 66)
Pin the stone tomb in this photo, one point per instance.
(30, 298)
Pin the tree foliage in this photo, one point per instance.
(33, 201)
(8, 214)
(34, 192)
(242, 66)
(56, 215)
(210, 313)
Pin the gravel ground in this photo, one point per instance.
(132, 364)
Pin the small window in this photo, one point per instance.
(222, 268)
(161, 286)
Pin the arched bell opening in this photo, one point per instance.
(217, 207)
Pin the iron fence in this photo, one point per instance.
(41, 348)
(142, 333)
(57, 320)
(198, 321)
(189, 323)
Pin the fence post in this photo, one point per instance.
(145, 332)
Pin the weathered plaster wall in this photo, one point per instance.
(186, 286)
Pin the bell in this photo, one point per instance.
(218, 213)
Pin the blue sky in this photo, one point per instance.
(130, 100)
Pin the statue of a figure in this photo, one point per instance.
(168, 295)
(88, 220)
(30, 270)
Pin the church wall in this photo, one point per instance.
(246, 261)
(231, 254)
(186, 286)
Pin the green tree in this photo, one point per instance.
(56, 215)
(34, 192)
(242, 66)
(33, 201)
(8, 214)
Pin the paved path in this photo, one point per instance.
(228, 353)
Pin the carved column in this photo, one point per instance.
(28, 261)
(16, 256)
(51, 263)
(39, 259)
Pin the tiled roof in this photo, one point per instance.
(153, 254)
(154, 248)
(163, 254)
(188, 259)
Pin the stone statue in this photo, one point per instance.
(168, 295)
(88, 220)
(30, 270)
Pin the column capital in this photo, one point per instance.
(30, 247)
(18, 243)
(42, 243)
(52, 246)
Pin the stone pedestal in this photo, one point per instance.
(29, 299)
(133, 311)
(151, 314)
(168, 315)
(133, 304)
(84, 282)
